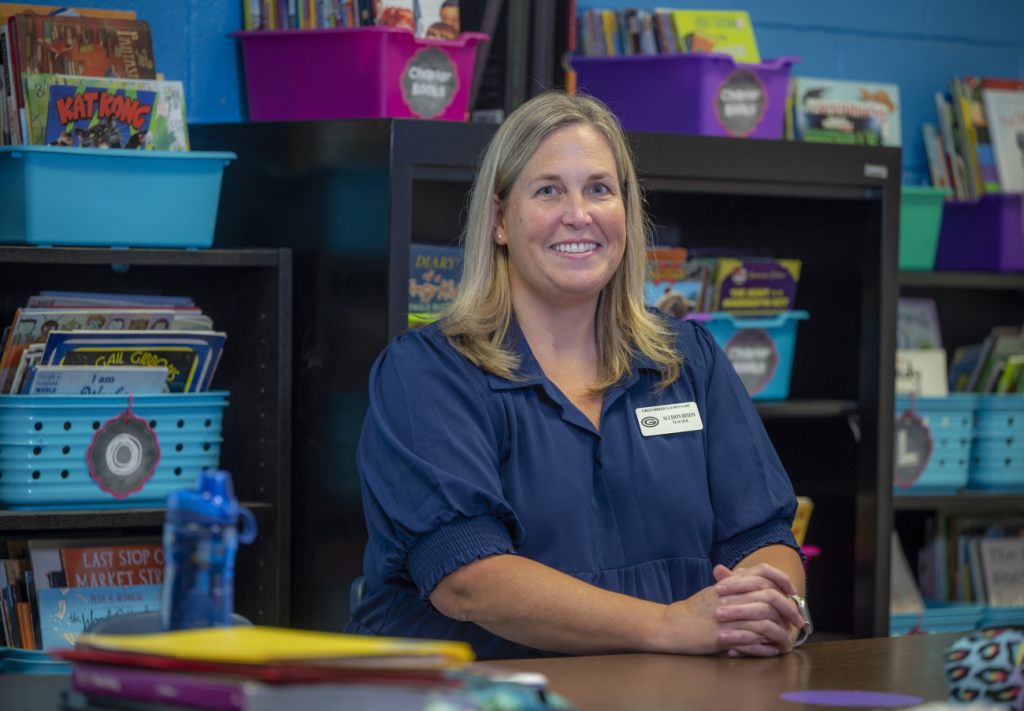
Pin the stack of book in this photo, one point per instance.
(977, 144)
(257, 668)
(55, 589)
(71, 343)
(618, 33)
(438, 19)
(994, 366)
(85, 78)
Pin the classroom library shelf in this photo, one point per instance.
(349, 197)
(248, 294)
(962, 503)
(995, 281)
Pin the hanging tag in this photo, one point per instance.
(123, 454)
(913, 448)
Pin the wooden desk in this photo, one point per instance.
(900, 665)
(649, 682)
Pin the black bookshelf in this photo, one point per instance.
(989, 281)
(248, 293)
(350, 196)
(962, 503)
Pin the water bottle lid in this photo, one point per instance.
(211, 501)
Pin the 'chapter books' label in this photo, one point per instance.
(429, 82)
(669, 419)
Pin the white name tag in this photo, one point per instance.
(668, 419)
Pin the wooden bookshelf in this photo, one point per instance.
(248, 294)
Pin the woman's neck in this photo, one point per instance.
(566, 333)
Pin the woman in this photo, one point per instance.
(553, 467)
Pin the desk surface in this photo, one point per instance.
(902, 665)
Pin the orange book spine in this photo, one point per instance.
(24, 625)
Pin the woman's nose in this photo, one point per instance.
(577, 214)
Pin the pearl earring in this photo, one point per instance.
(499, 238)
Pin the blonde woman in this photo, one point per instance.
(553, 467)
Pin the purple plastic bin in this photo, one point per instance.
(982, 236)
(703, 93)
(357, 72)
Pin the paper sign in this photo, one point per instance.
(669, 419)
(1003, 561)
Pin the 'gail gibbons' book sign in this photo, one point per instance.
(114, 566)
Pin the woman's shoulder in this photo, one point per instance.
(692, 339)
(426, 353)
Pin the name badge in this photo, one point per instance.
(669, 419)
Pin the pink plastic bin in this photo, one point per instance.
(358, 72)
(703, 93)
(984, 236)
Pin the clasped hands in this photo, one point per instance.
(746, 613)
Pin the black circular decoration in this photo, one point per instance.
(123, 454)
(429, 82)
(753, 354)
(740, 102)
(913, 449)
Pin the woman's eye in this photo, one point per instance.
(549, 190)
(600, 189)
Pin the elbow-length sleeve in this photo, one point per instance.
(428, 461)
(751, 494)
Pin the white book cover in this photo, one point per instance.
(95, 380)
(1004, 111)
(922, 373)
(1003, 561)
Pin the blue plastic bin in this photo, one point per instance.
(997, 455)
(938, 617)
(1000, 616)
(44, 438)
(950, 422)
(109, 198)
(760, 348)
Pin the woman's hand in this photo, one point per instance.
(755, 612)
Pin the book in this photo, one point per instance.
(1012, 378)
(847, 112)
(921, 372)
(30, 357)
(978, 119)
(756, 287)
(5, 127)
(944, 113)
(438, 19)
(676, 288)
(1003, 563)
(10, 8)
(966, 136)
(917, 324)
(719, 31)
(11, 93)
(167, 129)
(1005, 111)
(965, 359)
(82, 299)
(90, 116)
(65, 613)
(668, 41)
(1003, 345)
(191, 357)
(108, 380)
(397, 13)
(434, 277)
(936, 156)
(114, 566)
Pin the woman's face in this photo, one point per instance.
(565, 220)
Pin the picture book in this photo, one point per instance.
(847, 112)
(917, 324)
(191, 357)
(954, 160)
(64, 613)
(34, 326)
(1003, 565)
(438, 19)
(94, 117)
(1012, 379)
(1003, 346)
(167, 130)
(755, 287)
(10, 8)
(396, 13)
(921, 372)
(85, 46)
(114, 566)
(720, 31)
(58, 299)
(103, 380)
(983, 152)
(32, 356)
(434, 277)
(676, 288)
(1005, 111)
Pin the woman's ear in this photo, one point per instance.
(500, 235)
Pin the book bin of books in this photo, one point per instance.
(357, 72)
(920, 221)
(701, 93)
(985, 235)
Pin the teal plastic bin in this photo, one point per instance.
(938, 617)
(950, 423)
(109, 198)
(920, 222)
(1000, 616)
(760, 349)
(997, 456)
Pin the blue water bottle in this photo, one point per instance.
(201, 539)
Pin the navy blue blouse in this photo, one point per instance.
(457, 464)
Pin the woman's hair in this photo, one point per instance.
(478, 320)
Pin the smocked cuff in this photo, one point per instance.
(729, 553)
(453, 545)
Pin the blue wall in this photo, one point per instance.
(917, 44)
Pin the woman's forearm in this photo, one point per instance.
(782, 557)
(532, 604)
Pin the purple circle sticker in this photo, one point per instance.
(874, 699)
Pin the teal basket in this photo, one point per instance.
(775, 333)
(1001, 616)
(26, 661)
(109, 198)
(920, 222)
(950, 423)
(997, 457)
(44, 439)
(938, 617)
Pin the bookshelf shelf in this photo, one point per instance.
(248, 294)
(962, 503)
(102, 519)
(994, 281)
(783, 409)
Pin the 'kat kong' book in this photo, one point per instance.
(168, 130)
(82, 46)
(94, 117)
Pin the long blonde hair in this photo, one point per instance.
(478, 321)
